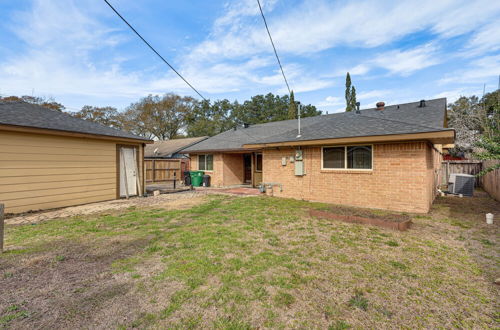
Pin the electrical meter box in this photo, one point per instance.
(283, 161)
(298, 154)
(299, 168)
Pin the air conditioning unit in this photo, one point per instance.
(461, 184)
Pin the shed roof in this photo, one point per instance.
(24, 114)
(165, 149)
(405, 118)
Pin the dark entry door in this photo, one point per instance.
(247, 163)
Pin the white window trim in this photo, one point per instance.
(345, 159)
(198, 159)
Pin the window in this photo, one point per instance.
(359, 157)
(206, 162)
(258, 162)
(348, 157)
(334, 157)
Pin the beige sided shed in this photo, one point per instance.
(49, 159)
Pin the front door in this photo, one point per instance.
(128, 172)
(247, 162)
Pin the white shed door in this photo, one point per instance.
(128, 174)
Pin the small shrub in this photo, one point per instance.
(359, 301)
(60, 258)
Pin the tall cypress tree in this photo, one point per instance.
(353, 98)
(292, 108)
(348, 93)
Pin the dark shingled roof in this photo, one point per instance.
(31, 115)
(166, 149)
(395, 119)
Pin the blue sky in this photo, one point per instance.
(80, 53)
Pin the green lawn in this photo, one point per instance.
(252, 262)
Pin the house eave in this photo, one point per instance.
(233, 150)
(37, 130)
(441, 137)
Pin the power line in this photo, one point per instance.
(272, 43)
(154, 50)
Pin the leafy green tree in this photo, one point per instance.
(262, 109)
(465, 116)
(266, 108)
(292, 108)
(107, 116)
(489, 150)
(209, 119)
(491, 114)
(161, 117)
(488, 146)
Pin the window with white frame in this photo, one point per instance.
(206, 162)
(347, 157)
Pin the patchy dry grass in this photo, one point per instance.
(253, 262)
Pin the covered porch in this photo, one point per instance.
(232, 168)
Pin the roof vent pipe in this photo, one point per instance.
(380, 105)
(357, 107)
(299, 107)
(422, 104)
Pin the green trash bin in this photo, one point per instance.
(196, 178)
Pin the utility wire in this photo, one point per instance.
(272, 43)
(154, 50)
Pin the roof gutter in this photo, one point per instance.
(234, 150)
(48, 131)
(442, 137)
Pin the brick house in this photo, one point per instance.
(386, 157)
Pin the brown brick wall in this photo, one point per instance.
(233, 170)
(434, 163)
(401, 179)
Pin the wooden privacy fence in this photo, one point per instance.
(491, 181)
(472, 167)
(163, 170)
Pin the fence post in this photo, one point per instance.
(2, 208)
(175, 179)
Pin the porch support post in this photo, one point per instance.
(252, 159)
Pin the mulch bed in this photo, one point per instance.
(386, 220)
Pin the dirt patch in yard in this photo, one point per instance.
(367, 213)
(400, 224)
(169, 201)
(72, 284)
